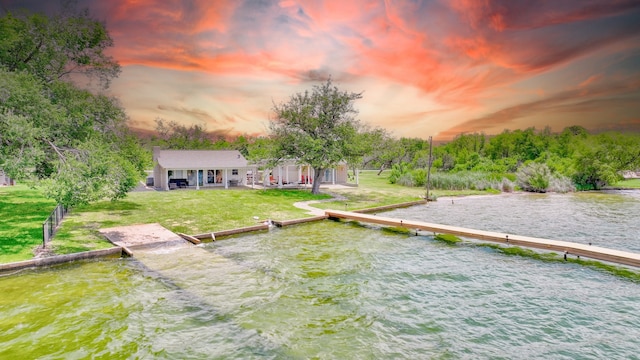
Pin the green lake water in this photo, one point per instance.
(333, 290)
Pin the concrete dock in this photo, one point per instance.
(589, 251)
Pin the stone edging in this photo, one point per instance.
(59, 259)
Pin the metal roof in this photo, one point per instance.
(201, 159)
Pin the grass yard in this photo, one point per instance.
(627, 184)
(23, 210)
(186, 211)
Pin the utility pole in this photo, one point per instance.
(429, 168)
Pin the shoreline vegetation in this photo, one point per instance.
(184, 211)
(192, 211)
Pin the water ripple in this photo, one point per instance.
(332, 290)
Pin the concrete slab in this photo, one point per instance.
(141, 236)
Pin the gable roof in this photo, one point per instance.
(201, 159)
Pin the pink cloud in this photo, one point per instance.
(494, 61)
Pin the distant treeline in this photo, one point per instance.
(532, 160)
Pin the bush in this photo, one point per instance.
(561, 184)
(534, 177)
(397, 171)
(405, 180)
(419, 177)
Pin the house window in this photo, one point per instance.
(234, 171)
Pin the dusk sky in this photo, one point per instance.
(427, 68)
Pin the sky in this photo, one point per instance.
(426, 68)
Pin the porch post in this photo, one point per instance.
(300, 174)
(165, 185)
(333, 176)
(226, 182)
(197, 179)
(286, 172)
(280, 177)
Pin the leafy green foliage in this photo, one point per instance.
(53, 133)
(544, 161)
(315, 127)
(172, 135)
(55, 48)
(73, 142)
(599, 159)
(534, 177)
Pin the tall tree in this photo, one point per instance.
(315, 127)
(53, 133)
(600, 159)
(73, 142)
(56, 48)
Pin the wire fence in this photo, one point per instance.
(50, 225)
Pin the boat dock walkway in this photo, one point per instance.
(589, 251)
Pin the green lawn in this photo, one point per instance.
(627, 184)
(22, 212)
(186, 211)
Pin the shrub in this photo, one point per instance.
(537, 177)
(561, 184)
(397, 170)
(534, 177)
(419, 177)
(405, 180)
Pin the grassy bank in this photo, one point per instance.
(187, 211)
(23, 210)
(627, 184)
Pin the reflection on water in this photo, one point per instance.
(336, 290)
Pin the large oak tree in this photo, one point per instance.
(316, 127)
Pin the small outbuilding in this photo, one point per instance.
(197, 169)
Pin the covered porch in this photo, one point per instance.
(180, 178)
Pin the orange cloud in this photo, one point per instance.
(490, 63)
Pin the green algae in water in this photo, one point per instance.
(396, 230)
(548, 257)
(554, 257)
(447, 238)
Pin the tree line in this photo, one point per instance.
(534, 160)
(76, 145)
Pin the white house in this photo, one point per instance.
(200, 168)
(290, 172)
